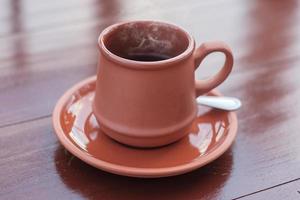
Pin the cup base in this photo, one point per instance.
(145, 138)
(146, 142)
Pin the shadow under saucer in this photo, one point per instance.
(92, 183)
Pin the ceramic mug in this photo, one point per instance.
(145, 89)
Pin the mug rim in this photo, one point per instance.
(145, 64)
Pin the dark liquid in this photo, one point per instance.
(147, 57)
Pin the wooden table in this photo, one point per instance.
(47, 46)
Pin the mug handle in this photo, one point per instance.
(204, 86)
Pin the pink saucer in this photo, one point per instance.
(210, 136)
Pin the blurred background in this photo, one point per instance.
(45, 39)
(47, 46)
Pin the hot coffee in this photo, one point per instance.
(148, 57)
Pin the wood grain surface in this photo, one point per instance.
(47, 46)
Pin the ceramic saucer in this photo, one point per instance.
(211, 134)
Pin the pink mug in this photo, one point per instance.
(145, 89)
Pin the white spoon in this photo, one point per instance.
(223, 103)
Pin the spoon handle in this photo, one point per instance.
(224, 103)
